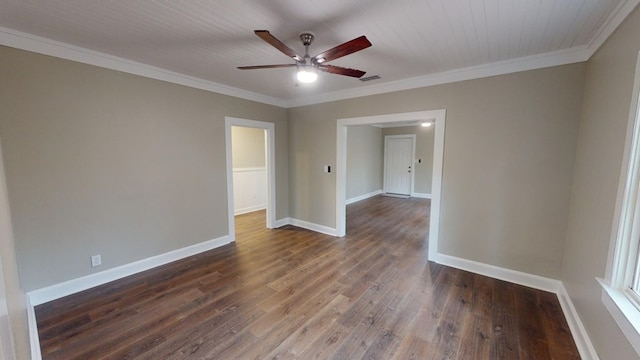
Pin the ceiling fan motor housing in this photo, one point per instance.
(306, 38)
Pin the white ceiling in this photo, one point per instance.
(415, 42)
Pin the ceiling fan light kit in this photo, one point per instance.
(307, 74)
(307, 66)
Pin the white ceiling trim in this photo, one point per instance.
(29, 42)
(540, 61)
(614, 20)
(40, 45)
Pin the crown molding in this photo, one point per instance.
(40, 45)
(617, 16)
(33, 43)
(556, 58)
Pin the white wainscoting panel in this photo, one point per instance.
(249, 189)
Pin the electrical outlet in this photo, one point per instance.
(96, 260)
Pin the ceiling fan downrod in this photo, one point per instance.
(307, 39)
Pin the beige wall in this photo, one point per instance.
(248, 147)
(508, 162)
(607, 100)
(99, 161)
(364, 160)
(103, 162)
(424, 152)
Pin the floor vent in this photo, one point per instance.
(369, 78)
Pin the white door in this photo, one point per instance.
(398, 164)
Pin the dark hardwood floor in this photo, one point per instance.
(290, 293)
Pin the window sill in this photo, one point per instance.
(623, 311)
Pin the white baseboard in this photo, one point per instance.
(513, 276)
(249, 209)
(282, 222)
(580, 336)
(313, 227)
(53, 292)
(49, 293)
(40, 296)
(305, 225)
(363, 197)
(34, 339)
(421, 195)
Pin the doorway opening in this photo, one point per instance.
(435, 116)
(399, 155)
(251, 179)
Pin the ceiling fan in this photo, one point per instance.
(308, 66)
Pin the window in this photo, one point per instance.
(635, 285)
(621, 287)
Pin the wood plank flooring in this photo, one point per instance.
(290, 293)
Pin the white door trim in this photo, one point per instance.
(438, 157)
(270, 165)
(413, 157)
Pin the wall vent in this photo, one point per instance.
(369, 78)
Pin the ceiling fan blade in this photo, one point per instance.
(341, 50)
(273, 41)
(341, 71)
(266, 66)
